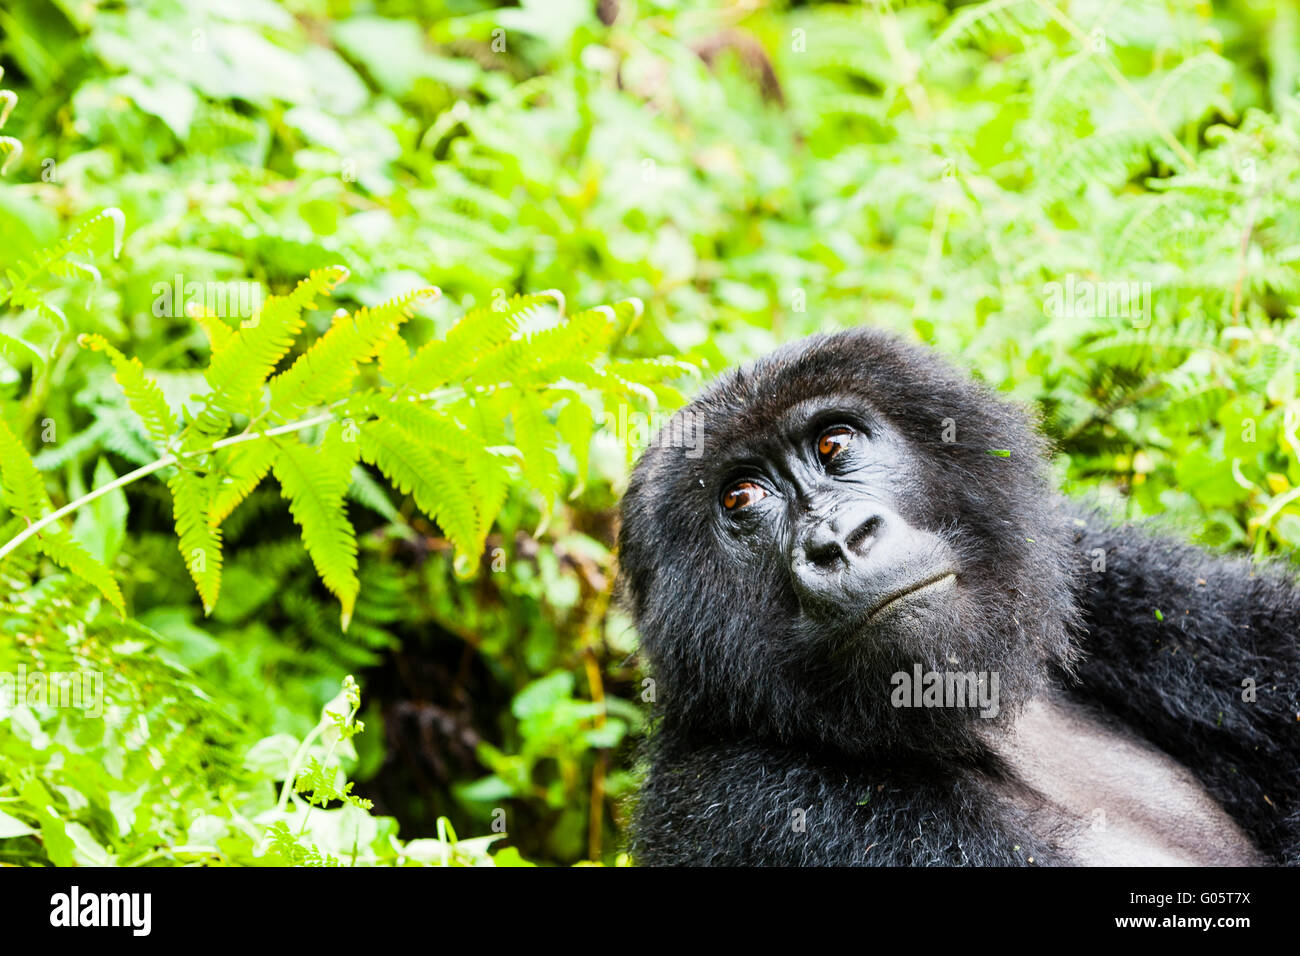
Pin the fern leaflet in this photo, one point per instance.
(315, 481)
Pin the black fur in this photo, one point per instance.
(759, 716)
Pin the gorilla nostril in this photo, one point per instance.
(824, 554)
(855, 543)
(830, 546)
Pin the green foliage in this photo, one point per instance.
(1094, 205)
(421, 430)
(314, 480)
(26, 498)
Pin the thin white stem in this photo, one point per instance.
(170, 459)
(37, 526)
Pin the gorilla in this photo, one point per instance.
(879, 636)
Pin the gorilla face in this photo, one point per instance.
(825, 489)
(858, 508)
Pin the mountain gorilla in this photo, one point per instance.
(879, 636)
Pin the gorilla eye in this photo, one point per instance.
(742, 493)
(833, 441)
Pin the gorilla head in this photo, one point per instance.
(859, 508)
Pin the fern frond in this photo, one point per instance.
(575, 424)
(1069, 89)
(80, 239)
(1152, 347)
(395, 359)
(19, 563)
(218, 332)
(238, 372)
(69, 553)
(246, 464)
(479, 332)
(20, 354)
(24, 489)
(1145, 229)
(25, 495)
(57, 454)
(430, 428)
(12, 150)
(315, 482)
(122, 433)
(73, 269)
(142, 393)
(364, 490)
(1109, 156)
(489, 475)
(1193, 88)
(536, 438)
(200, 544)
(325, 371)
(532, 357)
(21, 292)
(439, 491)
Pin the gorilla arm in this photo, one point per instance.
(747, 804)
(1214, 679)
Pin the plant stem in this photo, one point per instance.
(36, 527)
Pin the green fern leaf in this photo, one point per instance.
(575, 425)
(364, 490)
(576, 341)
(480, 332)
(25, 496)
(80, 239)
(536, 438)
(24, 490)
(427, 426)
(246, 464)
(239, 370)
(325, 371)
(1108, 156)
(395, 360)
(20, 353)
(1193, 88)
(315, 481)
(489, 475)
(218, 332)
(69, 553)
(16, 563)
(142, 393)
(439, 491)
(200, 544)
(978, 23)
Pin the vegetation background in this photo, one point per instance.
(673, 188)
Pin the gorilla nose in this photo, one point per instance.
(838, 540)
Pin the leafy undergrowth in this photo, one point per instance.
(1095, 206)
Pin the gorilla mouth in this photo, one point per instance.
(934, 583)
